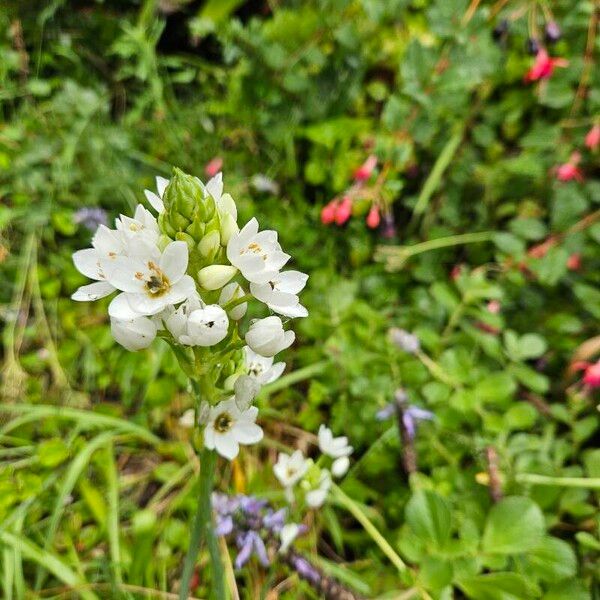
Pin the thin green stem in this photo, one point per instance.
(202, 520)
(376, 536)
(396, 256)
(441, 164)
(237, 301)
(293, 378)
(574, 482)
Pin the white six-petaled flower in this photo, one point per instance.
(151, 283)
(228, 427)
(290, 468)
(332, 446)
(257, 255)
(262, 367)
(280, 293)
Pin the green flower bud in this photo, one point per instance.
(215, 277)
(196, 229)
(209, 245)
(188, 239)
(183, 195)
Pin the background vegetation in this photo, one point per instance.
(96, 473)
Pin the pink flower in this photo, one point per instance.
(543, 67)
(592, 139)
(574, 262)
(591, 375)
(213, 166)
(366, 169)
(494, 307)
(373, 218)
(328, 213)
(343, 211)
(569, 170)
(591, 372)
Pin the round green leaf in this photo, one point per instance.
(428, 515)
(514, 525)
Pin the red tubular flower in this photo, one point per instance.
(544, 66)
(574, 262)
(373, 218)
(591, 375)
(328, 213)
(213, 166)
(569, 170)
(366, 169)
(343, 211)
(592, 139)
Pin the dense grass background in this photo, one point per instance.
(97, 483)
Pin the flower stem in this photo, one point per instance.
(202, 524)
(575, 482)
(360, 516)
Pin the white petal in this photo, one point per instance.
(120, 308)
(248, 433)
(93, 291)
(155, 202)
(88, 262)
(161, 185)
(215, 186)
(174, 260)
(292, 282)
(226, 445)
(296, 310)
(135, 334)
(273, 373)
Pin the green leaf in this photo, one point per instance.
(496, 586)
(514, 525)
(553, 560)
(428, 515)
(531, 345)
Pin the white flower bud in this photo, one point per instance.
(340, 466)
(267, 336)
(246, 388)
(228, 228)
(214, 277)
(133, 334)
(209, 244)
(206, 326)
(233, 291)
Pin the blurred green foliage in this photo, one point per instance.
(99, 97)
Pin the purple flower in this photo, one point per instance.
(405, 340)
(411, 416)
(251, 505)
(250, 543)
(224, 525)
(91, 217)
(305, 569)
(385, 413)
(274, 520)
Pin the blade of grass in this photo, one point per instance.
(85, 418)
(46, 560)
(78, 464)
(8, 572)
(434, 178)
(110, 469)
(356, 511)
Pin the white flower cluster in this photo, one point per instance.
(189, 274)
(295, 471)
